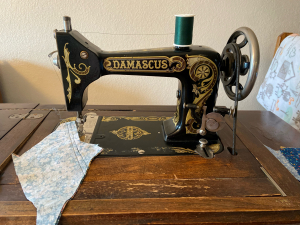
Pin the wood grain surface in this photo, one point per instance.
(262, 124)
(18, 105)
(7, 124)
(7, 109)
(278, 172)
(169, 189)
(17, 137)
(217, 210)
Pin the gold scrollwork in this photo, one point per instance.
(176, 114)
(204, 72)
(109, 118)
(181, 63)
(105, 151)
(179, 150)
(129, 133)
(83, 70)
(135, 118)
(182, 150)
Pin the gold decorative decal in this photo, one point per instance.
(179, 150)
(176, 115)
(84, 70)
(129, 133)
(109, 118)
(182, 150)
(105, 151)
(153, 64)
(204, 73)
(138, 150)
(135, 149)
(179, 96)
(136, 118)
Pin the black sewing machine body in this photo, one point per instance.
(183, 64)
(198, 69)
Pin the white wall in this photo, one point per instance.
(26, 37)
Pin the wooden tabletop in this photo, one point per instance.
(250, 188)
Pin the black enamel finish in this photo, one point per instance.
(172, 132)
(150, 144)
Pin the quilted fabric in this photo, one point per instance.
(51, 172)
(280, 91)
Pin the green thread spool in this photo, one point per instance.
(184, 30)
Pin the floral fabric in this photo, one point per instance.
(289, 157)
(292, 156)
(51, 172)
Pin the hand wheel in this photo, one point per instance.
(236, 64)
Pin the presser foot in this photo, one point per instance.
(79, 123)
(86, 126)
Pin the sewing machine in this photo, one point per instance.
(194, 126)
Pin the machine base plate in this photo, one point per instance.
(133, 136)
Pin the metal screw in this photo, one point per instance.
(141, 151)
(202, 132)
(203, 142)
(84, 55)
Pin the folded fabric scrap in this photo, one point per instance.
(51, 172)
(289, 157)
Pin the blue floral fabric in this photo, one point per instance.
(289, 157)
(292, 156)
(51, 172)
